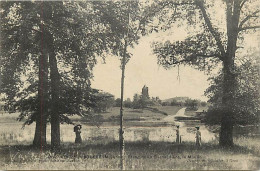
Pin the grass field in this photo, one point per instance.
(100, 148)
(139, 122)
(134, 117)
(138, 155)
(138, 114)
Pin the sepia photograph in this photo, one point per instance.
(130, 85)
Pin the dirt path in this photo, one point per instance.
(188, 132)
(171, 118)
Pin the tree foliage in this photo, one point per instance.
(214, 41)
(75, 40)
(104, 102)
(54, 44)
(192, 104)
(247, 95)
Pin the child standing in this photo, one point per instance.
(178, 140)
(198, 136)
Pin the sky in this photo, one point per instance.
(142, 69)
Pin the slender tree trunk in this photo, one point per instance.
(121, 132)
(55, 84)
(41, 118)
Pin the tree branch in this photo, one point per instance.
(191, 57)
(209, 56)
(183, 3)
(147, 16)
(249, 27)
(212, 30)
(248, 17)
(35, 30)
(242, 4)
(178, 62)
(161, 6)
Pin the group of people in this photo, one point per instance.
(78, 140)
(197, 137)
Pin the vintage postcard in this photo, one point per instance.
(130, 85)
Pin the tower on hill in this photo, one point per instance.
(145, 93)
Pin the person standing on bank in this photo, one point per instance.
(178, 137)
(198, 136)
(77, 131)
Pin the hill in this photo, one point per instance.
(178, 99)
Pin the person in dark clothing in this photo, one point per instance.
(178, 137)
(77, 131)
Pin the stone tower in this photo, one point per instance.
(145, 93)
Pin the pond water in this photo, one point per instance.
(11, 133)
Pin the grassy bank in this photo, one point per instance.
(138, 155)
(102, 154)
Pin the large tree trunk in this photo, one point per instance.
(55, 113)
(41, 118)
(227, 120)
(226, 132)
(39, 140)
(229, 82)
